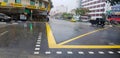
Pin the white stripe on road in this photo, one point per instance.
(48, 52)
(69, 52)
(3, 33)
(37, 45)
(38, 40)
(119, 52)
(37, 48)
(101, 52)
(58, 52)
(110, 52)
(91, 52)
(36, 52)
(80, 52)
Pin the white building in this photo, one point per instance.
(97, 7)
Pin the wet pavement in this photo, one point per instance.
(31, 40)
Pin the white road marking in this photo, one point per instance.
(91, 52)
(69, 52)
(37, 45)
(38, 42)
(101, 52)
(80, 52)
(110, 52)
(36, 52)
(3, 33)
(119, 52)
(48, 52)
(58, 52)
(37, 48)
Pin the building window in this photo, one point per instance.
(17, 1)
(5, 0)
(32, 2)
(40, 3)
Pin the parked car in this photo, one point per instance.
(4, 18)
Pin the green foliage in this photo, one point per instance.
(113, 2)
(82, 11)
(66, 15)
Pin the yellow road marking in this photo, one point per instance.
(88, 46)
(52, 42)
(80, 36)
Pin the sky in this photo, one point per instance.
(69, 4)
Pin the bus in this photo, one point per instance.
(115, 18)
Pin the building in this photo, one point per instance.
(15, 7)
(97, 7)
(115, 9)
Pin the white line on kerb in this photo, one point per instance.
(3, 33)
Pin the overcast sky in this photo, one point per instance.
(70, 4)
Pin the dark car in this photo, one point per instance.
(4, 18)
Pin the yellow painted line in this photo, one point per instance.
(83, 35)
(51, 40)
(88, 46)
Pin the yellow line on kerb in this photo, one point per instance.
(51, 40)
(62, 43)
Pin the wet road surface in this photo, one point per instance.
(30, 40)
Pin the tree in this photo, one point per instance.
(82, 11)
(114, 2)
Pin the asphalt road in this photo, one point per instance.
(31, 40)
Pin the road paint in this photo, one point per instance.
(52, 42)
(91, 52)
(80, 52)
(48, 52)
(83, 35)
(50, 37)
(58, 52)
(37, 45)
(69, 52)
(119, 52)
(37, 48)
(110, 52)
(3, 33)
(101, 52)
(36, 52)
(38, 40)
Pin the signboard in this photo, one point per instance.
(3, 4)
(31, 6)
(16, 4)
(42, 8)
